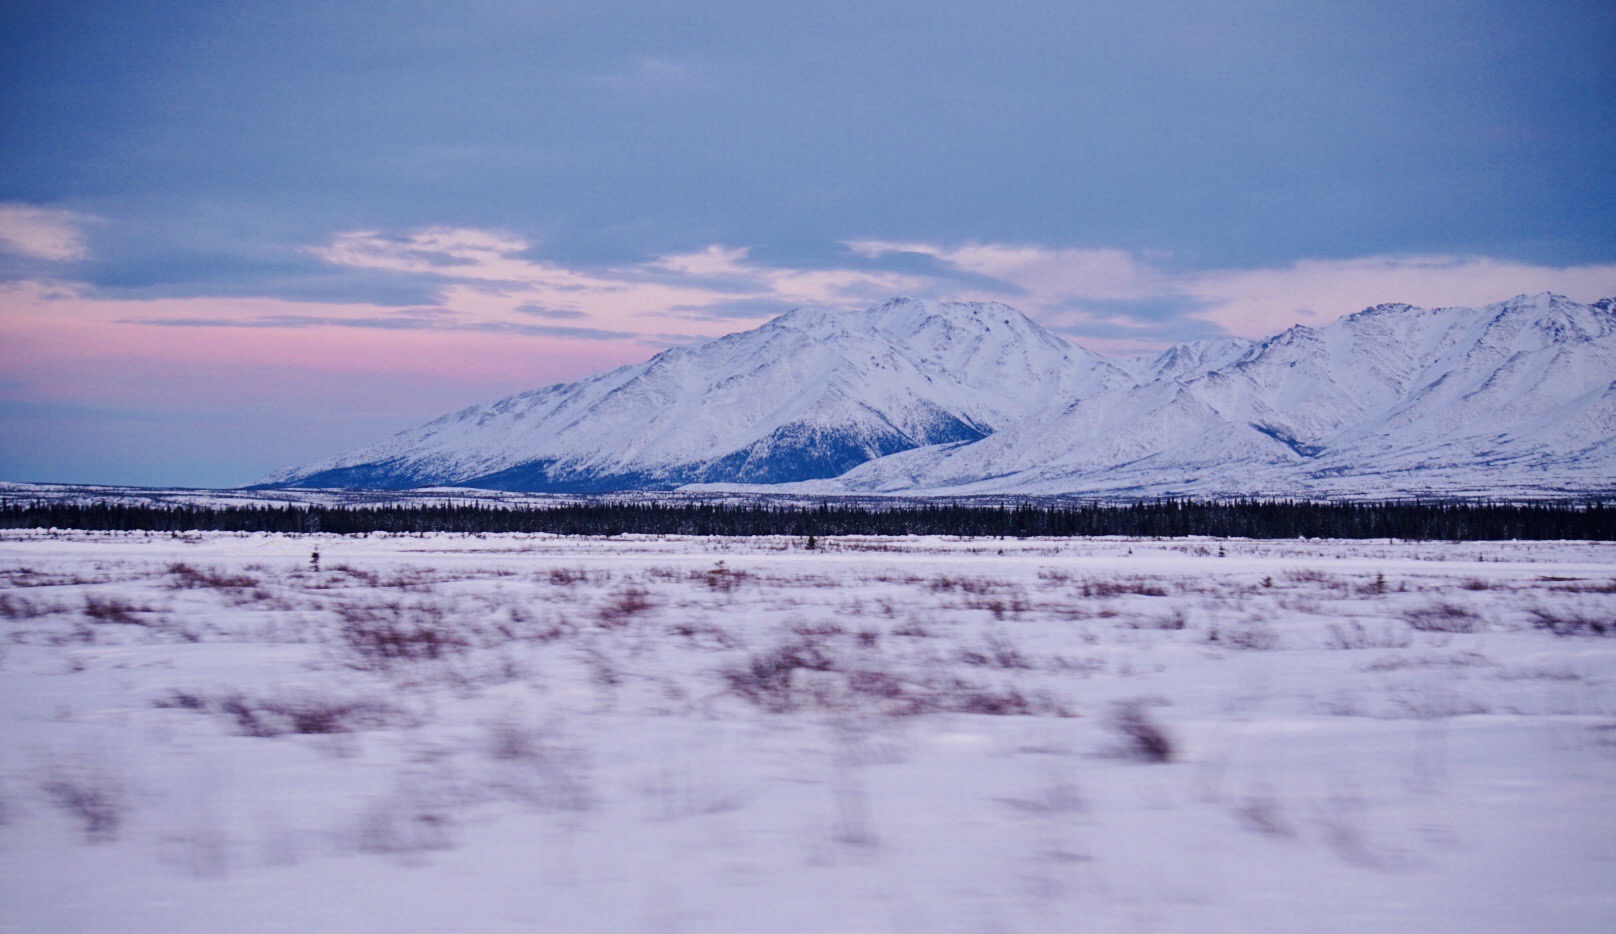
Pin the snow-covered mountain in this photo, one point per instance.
(811, 394)
(1516, 398)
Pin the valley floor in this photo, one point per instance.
(461, 733)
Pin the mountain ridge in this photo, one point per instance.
(913, 397)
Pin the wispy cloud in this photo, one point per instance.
(1049, 276)
(492, 282)
(1110, 298)
(1254, 302)
(42, 233)
(491, 277)
(1106, 293)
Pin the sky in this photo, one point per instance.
(235, 237)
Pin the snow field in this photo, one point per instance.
(539, 733)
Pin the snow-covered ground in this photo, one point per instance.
(452, 733)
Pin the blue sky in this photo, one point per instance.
(237, 236)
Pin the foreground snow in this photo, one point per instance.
(483, 734)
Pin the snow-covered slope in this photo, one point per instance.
(811, 394)
(1517, 397)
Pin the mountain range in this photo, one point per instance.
(1516, 398)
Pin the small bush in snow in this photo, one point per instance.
(95, 797)
(1255, 637)
(1108, 588)
(766, 679)
(111, 610)
(385, 635)
(1444, 617)
(997, 652)
(189, 577)
(1573, 622)
(1354, 636)
(299, 714)
(1144, 739)
(623, 606)
(20, 608)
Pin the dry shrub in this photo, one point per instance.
(288, 714)
(1003, 702)
(386, 635)
(13, 607)
(912, 629)
(722, 579)
(305, 715)
(415, 580)
(1444, 617)
(975, 586)
(622, 607)
(875, 683)
(1606, 587)
(1094, 587)
(112, 610)
(766, 679)
(1572, 622)
(817, 631)
(1014, 604)
(181, 700)
(803, 674)
(997, 652)
(1144, 739)
(1261, 812)
(189, 577)
(704, 634)
(1355, 636)
(1451, 660)
(92, 795)
(1307, 576)
(357, 575)
(1174, 621)
(1578, 585)
(1253, 637)
(957, 695)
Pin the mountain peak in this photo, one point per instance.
(976, 397)
(904, 318)
(1387, 308)
(905, 306)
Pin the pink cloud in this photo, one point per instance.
(488, 278)
(62, 343)
(1055, 284)
(1257, 302)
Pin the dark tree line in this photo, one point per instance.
(1157, 519)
